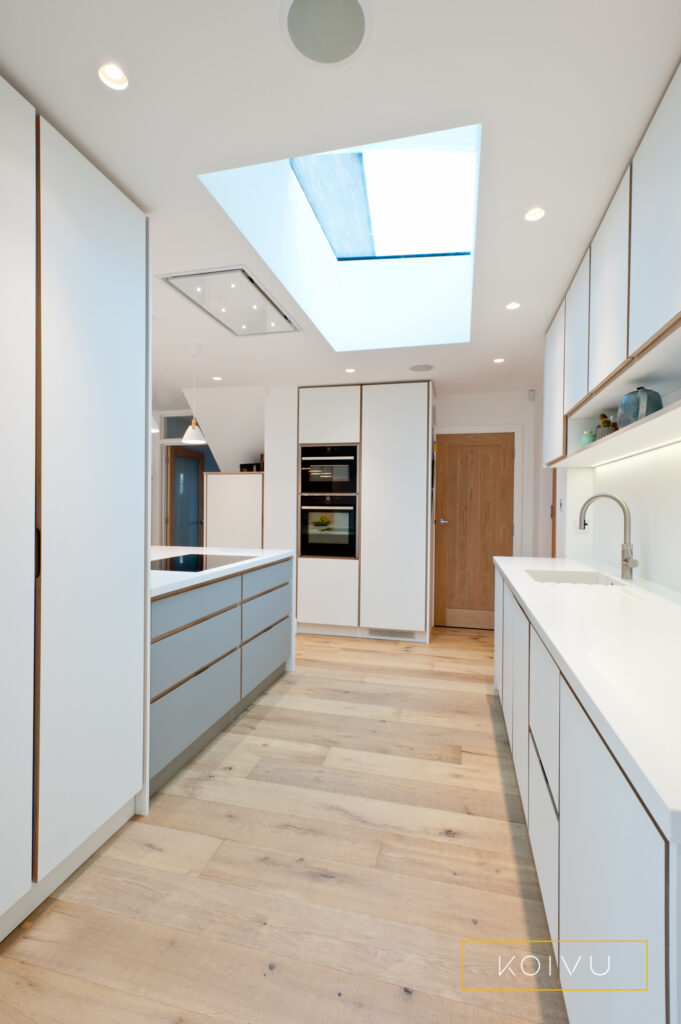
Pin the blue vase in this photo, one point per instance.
(637, 404)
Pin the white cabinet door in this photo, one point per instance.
(655, 296)
(577, 336)
(328, 591)
(610, 288)
(329, 415)
(612, 882)
(507, 662)
(521, 676)
(94, 440)
(233, 511)
(394, 506)
(543, 828)
(498, 630)
(545, 709)
(554, 422)
(17, 505)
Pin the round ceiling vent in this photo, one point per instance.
(326, 31)
(421, 367)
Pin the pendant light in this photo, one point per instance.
(193, 433)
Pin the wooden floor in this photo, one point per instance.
(319, 863)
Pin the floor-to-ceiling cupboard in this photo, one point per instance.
(74, 366)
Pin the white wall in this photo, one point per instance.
(281, 468)
(233, 422)
(510, 411)
(650, 484)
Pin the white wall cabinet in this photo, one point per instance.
(394, 511)
(17, 507)
(94, 442)
(577, 336)
(553, 422)
(610, 288)
(328, 591)
(233, 510)
(329, 415)
(656, 223)
(612, 879)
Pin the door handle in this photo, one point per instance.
(444, 521)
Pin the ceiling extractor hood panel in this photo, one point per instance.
(232, 297)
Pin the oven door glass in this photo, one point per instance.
(327, 531)
(328, 471)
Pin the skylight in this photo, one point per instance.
(345, 232)
(382, 203)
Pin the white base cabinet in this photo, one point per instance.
(612, 882)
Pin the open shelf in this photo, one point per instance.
(655, 431)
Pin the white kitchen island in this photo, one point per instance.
(590, 685)
(219, 637)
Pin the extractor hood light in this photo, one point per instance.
(235, 299)
(113, 76)
(535, 213)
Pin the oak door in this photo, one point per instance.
(473, 522)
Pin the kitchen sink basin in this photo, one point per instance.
(571, 576)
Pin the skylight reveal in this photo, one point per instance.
(386, 203)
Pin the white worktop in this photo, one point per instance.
(164, 581)
(619, 647)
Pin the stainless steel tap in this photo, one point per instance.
(628, 561)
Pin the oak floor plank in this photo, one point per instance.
(164, 848)
(281, 699)
(484, 803)
(484, 773)
(211, 976)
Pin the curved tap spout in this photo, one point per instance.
(628, 562)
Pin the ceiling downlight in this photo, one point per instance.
(233, 298)
(113, 77)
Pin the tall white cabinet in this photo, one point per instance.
(553, 420)
(609, 296)
(394, 509)
(17, 508)
(93, 445)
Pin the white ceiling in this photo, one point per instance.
(563, 92)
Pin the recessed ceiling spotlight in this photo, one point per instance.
(535, 213)
(217, 378)
(243, 327)
(254, 306)
(232, 284)
(272, 323)
(113, 76)
(199, 288)
(350, 369)
(512, 305)
(499, 360)
(421, 367)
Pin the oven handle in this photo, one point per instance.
(328, 508)
(327, 458)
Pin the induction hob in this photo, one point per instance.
(196, 563)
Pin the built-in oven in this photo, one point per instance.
(328, 469)
(328, 525)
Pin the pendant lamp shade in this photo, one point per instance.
(193, 434)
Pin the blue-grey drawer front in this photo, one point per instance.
(264, 611)
(176, 610)
(184, 714)
(259, 580)
(183, 653)
(261, 656)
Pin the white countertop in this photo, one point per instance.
(164, 581)
(619, 647)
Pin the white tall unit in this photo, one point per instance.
(554, 423)
(233, 510)
(92, 503)
(17, 507)
(395, 462)
(329, 415)
(656, 223)
(610, 288)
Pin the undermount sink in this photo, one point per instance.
(571, 576)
